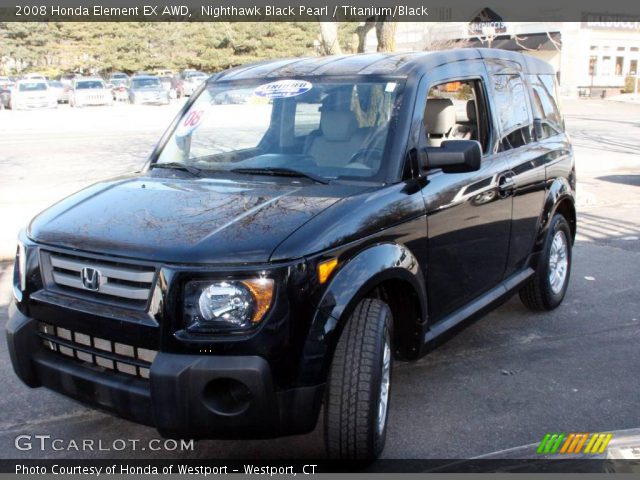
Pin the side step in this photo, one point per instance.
(478, 305)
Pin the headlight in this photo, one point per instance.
(226, 305)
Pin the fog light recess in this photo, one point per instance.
(226, 396)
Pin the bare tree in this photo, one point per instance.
(386, 34)
(329, 44)
(489, 34)
(446, 44)
(362, 31)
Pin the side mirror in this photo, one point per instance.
(537, 128)
(454, 156)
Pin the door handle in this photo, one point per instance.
(506, 184)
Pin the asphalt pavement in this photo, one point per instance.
(504, 381)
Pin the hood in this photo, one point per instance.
(182, 220)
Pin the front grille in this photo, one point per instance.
(94, 99)
(123, 284)
(95, 352)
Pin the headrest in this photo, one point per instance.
(439, 116)
(471, 110)
(338, 126)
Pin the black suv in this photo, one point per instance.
(300, 225)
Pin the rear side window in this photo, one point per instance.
(512, 105)
(545, 103)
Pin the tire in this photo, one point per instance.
(355, 426)
(545, 291)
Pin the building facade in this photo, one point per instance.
(589, 56)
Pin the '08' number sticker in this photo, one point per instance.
(190, 122)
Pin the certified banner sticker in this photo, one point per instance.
(283, 89)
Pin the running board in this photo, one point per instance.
(503, 289)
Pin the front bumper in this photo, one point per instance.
(186, 396)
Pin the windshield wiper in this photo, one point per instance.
(195, 171)
(282, 171)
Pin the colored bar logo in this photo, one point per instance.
(563, 443)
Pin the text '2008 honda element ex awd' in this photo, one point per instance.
(301, 225)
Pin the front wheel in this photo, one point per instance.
(357, 401)
(547, 288)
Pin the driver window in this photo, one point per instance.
(456, 111)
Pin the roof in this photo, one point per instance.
(386, 64)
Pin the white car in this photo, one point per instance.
(191, 81)
(90, 91)
(34, 77)
(32, 94)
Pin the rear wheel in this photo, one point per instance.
(547, 288)
(357, 401)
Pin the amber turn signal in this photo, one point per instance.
(262, 291)
(325, 269)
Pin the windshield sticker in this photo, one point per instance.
(190, 122)
(283, 89)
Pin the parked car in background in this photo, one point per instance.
(119, 88)
(31, 94)
(5, 97)
(90, 91)
(6, 82)
(169, 84)
(164, 72)
(191, 81)
(147, 89)
(118, 78)
(67, 79)
(35, 76)
(59, 91)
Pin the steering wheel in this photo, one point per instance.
(369, 156)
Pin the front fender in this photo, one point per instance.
(349, 285)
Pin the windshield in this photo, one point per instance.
(32, 86)
(320, 128)
(89, 84)
(145, 83)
